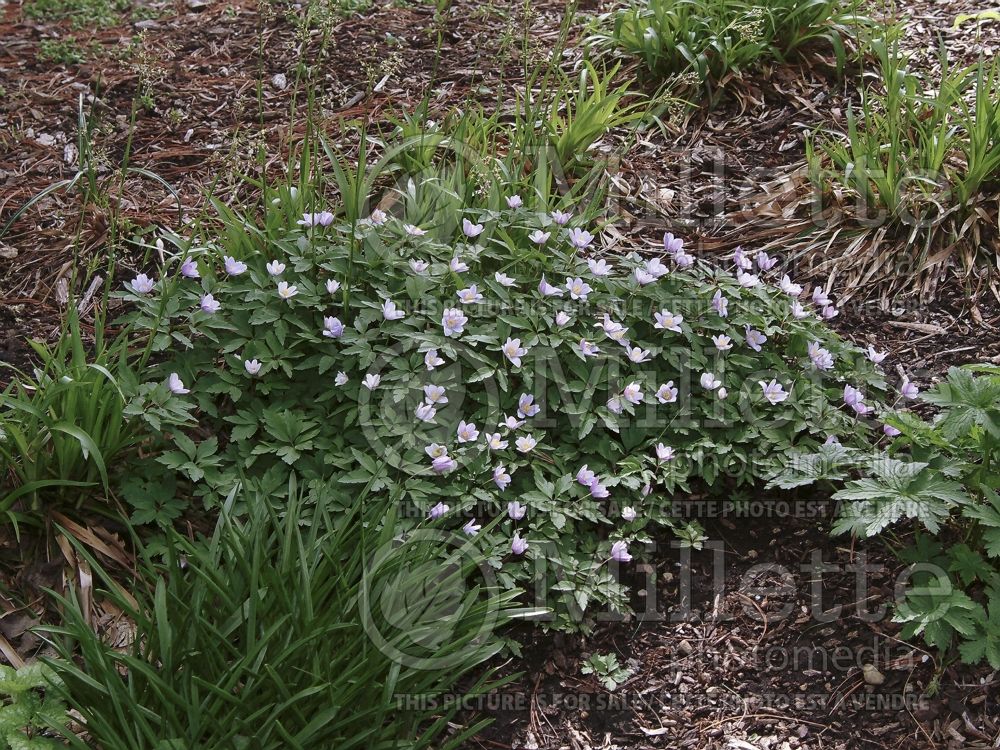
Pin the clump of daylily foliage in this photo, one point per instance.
(508, 386)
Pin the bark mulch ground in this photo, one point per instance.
(753, 650)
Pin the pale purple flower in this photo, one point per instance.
(518, 546)
(614, 330)
(720, 304)
(514, 201)
(332, 327)
(539, 237)
(619, 552)
(643, 277)
(722, 393)
(332, 286)
(628, 514)
(142, 284)
(819, 297)
(638, 354)
(562, 318)
(413, 230)
(470, 229)
(457, 265)
(547, 290)
(526, 406)
(829, 312)
(747, 280)
(471, 527)
(633, 393)
(426, 412)
(655, 268)
(525, 443)
(470, 295)
(587, 349)
(755, 339)
(684, 260)
(436, 451)
(501, 478)
(908, 389)
(504, 280)
(561, 217)
(511, 423)
(667, 321)
(741, 260)
(438, 510)
(234, 267)
(786, 285)
(432, 360)
(671, 244)
(664, 453)
(189, 269)
(176, 385)
(210, 305)
(252, 366)
(709, 381)
(467, 432)
(821, 358)
(614, 405)
(275, 268)
(890, 431)
(419, 266)
(874, 355)
(321, 219)
(372, 380)
(585, 476)
(341, 379)
(580, 238)
(599, 267)
(855, 399)
(391, 312)
(444, 464)
(286, 291)
(598, 490)
(773, 391)
(798, 311)
(765, 262)
(513, 351)
(453, 321)
(666, 393)
(378, 217)
(435, 394)
(578, 288)
(831, 440)
(495, 441)
(515, 510)
(722, 342)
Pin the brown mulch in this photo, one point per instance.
(767, 655)
(721, 179)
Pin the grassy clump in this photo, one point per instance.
(710, 42)
(80, 13)
(64, 428)
(313, 627)
(920, 166)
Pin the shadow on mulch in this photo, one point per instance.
(768, 655)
